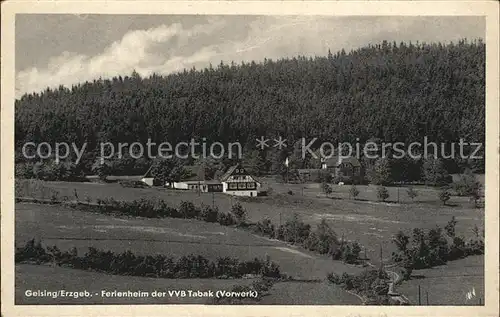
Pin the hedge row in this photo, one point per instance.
(159, 266)
(322, 240)
(372, 285)
(425, 249)
(150, 209)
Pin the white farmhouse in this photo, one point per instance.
(236, 181)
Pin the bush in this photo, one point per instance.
(188, 210)
(353, 191)
(444, 195)
(373, 285)
(127, 263)
(294, 230)
(327, 189)
(433, 248)
(225, 219)
(380, 172)
(265, 228)
(133, 184)
(209, 214)
(412, 193)
(239, 212)
(467, 185)
(435, 173)
(382, 193)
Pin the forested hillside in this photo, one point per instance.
(393, 92)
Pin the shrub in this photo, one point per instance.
(209, 214)
(225, 219)
(373, 285)
(294, 230)
(435, 173)
(133, 184)
(433, 248)
(467, 185)
(380, 172)
(450, 227)
(412, 193)
(353, 191)
(127, 263)
(382, 193)
(444, 195)
(188, 210)
(327, 189)
(239, 212)
(265, 228)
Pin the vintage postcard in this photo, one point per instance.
(206, 158)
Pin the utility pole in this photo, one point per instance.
(427, 297)
(213, 200)
(419, 301)
(381, 261)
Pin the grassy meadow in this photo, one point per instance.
(365, 220)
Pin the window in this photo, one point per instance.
(251, 185)
(233, 185)
(242, 185)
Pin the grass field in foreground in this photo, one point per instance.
(447, 284)
(371, 223)
(35, 277)
(67, 228)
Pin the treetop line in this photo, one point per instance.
(391, 92)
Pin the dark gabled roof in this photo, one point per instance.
(148, 172)
(337, 160)
(229, 172)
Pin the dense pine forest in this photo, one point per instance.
(388, 92)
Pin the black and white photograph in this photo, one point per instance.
(250, 159)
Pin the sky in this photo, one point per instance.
(56, 49)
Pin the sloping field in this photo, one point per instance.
(64, 227)
(369, 222)
(448, 284)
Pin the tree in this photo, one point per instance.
(434, 172)
(450, 227)
(412, 193)
(239, 212)
(380, 173)
(382, 193)
(169, 170)
(101, 169)
(444, 195)
(467, 185)
(243, 102)
(253, 162)
(327, 189)
(353, 192)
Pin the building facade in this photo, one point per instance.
(237, 181)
